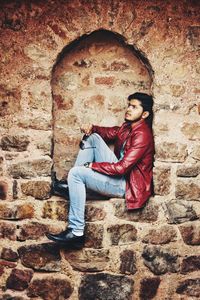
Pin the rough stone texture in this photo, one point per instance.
(9, 100)
(160, 260)
(14, 143)
(171, 152)
(37, 189)
(8, 231)
(31, 231)
(55, 210)
(127, 262)
(19, 279)
(190, 264)
(147, 214)
(94, 235)
(162, 182)
(88, 260)
(15, 189)
(178, 211)
(188, 190)
(17, 212)
(189, 287)
(192, 131)
(196, 152)
(28, 169)
(149, 287)
(9, 254)
(98, 286)
(188, 171)
(163, 235)
(190, 234)
(50, 288)
(94, 213)
(122, 234)
(3, 190)
(44, 257)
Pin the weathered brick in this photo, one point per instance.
(172, 152)
(105, 80)
(37, 189)
(188, 171)
(19, 279)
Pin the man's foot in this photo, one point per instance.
(67, 239)
(59, 187)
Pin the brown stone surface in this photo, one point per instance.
(44, 257)
(98, 286)
(15, 189)
(31, 231)
(16, 212)
(9, 254)
(149, 287)
(171, 152)
(190, 264)
(14, 142)
(94, 235)
(188, 190)
(39, 123)
(189, 287)
(37, 189)
(55, 210)
(19, 279)
(191, 130)
(128, 262)
(8, 231)
(105, 80)
(147, 214)
(196, 152)
(188, 171)
(9, 100)
(162, 235)
(162, 181)
(88, 260)
(50, 288)
(94, 213)
(121, 234)
(31, 168)
(161, 260)
(190, 234)
(179, 211)
(3, 190)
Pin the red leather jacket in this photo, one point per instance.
(137, 163)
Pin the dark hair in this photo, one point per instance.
(146, 102)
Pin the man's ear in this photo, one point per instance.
(145, 114)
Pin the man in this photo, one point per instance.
(125, 173)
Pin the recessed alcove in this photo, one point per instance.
(91, 81)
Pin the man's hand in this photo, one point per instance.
(86, 128)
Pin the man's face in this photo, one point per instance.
(134, 111)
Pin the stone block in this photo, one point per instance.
(55, 210)
(3, 190)
(190, 264)
(149, 287)
(45, 144)
(19, 279)
(179, 211)
(147, 214)
(188, 171)
(121, 234)
(163, 235)
(8, 231)
(38, 123)
(94, 235)
(31, 168)
(37, 189)
(49, 288)
(189, 287)
(94, 213)
(190, 234)
(31, 231)
(162, 181)
(16, 212)
(9, 100)
(171, 152)
(191, 131)
(15, 189)
(160, 260)
(14, 143)
(98, 286)
(196, 152)
(188, 190)
(9, 254)
(128, 262)
(43, 257)
(88, 260)
(109, 80)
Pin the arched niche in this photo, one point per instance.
(91, 81)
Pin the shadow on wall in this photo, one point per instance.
(91, 81)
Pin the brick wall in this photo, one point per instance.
(67, 62)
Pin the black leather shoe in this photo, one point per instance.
(67, 239)
(59, 187)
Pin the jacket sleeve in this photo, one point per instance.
(132, 156)
(107, 133)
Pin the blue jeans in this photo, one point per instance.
(81, 178)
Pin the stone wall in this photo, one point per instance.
(64, 62)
